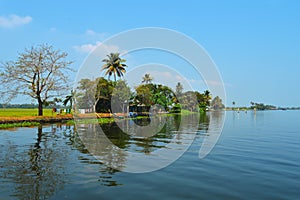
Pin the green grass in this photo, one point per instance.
(92, 121)
(22, 124)
(25, 112)
(187, 112)
(22, 112)
(70, 122)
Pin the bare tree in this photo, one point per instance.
(39, 72)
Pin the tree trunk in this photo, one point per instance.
(40, 107)
(95, 105)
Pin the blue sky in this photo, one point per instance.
(255, 44)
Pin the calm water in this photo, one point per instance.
(257, 157)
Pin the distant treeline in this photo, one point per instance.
(26, 105)
(261, 106)
(288, 108)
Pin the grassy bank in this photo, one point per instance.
(92, 121)
(18, 117)
(23, 112)
(23, 124)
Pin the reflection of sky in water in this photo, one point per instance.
(259, 149)
(12, 136)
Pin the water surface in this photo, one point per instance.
(257, 157)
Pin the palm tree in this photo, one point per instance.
(179, 89)
(70, 99)
(253, 105)
(207, 93)
(114, 65)
(207, 98)
(233, 103)
(147, 79)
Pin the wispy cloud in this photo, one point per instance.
(88, 48)
(95, 34)
(167, 75)
(12, 21)
(161, 75)
(91, 35)
(90, 32)
(216, 83)
(85, 48)
(53, 29)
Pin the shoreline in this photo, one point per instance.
(10, 122)
(37, 119)
(67, 117)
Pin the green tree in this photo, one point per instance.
(39, 72)
(100, 94)
(69, 99)
(147, 79)
(103, 95)
(94, 94)
(261, 106)
(179, 89)
(206, 99)
(144, 94)
(86, 93)
(189, 101)
(113, 64)
(151, 94)
(164, 96)
(120, 96)
(194, 100)
(233, 104)
(252, 105)
(217, 104)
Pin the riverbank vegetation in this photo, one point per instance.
(19, 117)
(102, 95)
(22, 124)
(32, 74)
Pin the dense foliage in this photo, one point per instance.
(103, 95)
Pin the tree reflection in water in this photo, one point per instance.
(41, 168)
(37, 170)
(40, 162)
(214, 130)
(118, 144)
